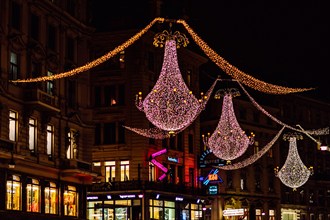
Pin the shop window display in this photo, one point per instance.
(14, 193)
(70, 198)
(33, 196)
(51, 198)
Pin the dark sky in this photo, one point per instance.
(285, 43)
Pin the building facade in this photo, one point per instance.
(45, 160)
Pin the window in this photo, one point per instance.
(13, 125)
(191, 177)
(124, 170)
(51, 40)
(122, 59)
(51, 198)
(50, 84)
(160, 209)
(189, 78)
(14, 193)
(70, 199)
(114, 133)
(33, 195)
(72, 148)
(72, 93)
(258, 214)
(243, 181)
(70, 49)
(114, 95)
(32, 134)
(34, 27)
(196, 211)
(50, 140)
(110, 171)
(35, 69)
(14, 66)
(15, 16)
(271, 214)
(152, 172)
(179, 138)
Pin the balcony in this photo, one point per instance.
(42, 100)
(77, 168)
(6, 145)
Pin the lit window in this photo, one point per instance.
(33, 196)
(13, 125)
(110, 170)
(51, 198)
(32, 134)
(124, 170)
(14, 66)
(70, 198)
(122, 59)
(271, 214)
(50, 84)
(152, 172)
(72, 148)
(50, 140)
(14, 193)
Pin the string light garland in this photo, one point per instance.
(154, 132)
(254, 157)
(95, 62)
(217, 59)
(237, 74)
(228, 141)
(293, 173)
(171, 106)
(321, 131)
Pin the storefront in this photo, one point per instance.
(141, 206)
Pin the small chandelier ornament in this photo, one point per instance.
(171, 106)
(293, 173)
(228, 141)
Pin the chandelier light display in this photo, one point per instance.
(228, 141)
(250, 160)
(293, 173)
(171, 106)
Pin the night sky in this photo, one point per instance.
(285, 43)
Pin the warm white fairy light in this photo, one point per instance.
(170, 105)
(235, 72)
(228, 141)
(254, 157)
(293, 173)
(154, 133)
(308, 133)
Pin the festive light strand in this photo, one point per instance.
(154, 132)
(235, 72)
(217, 59)
(322, 131)
(293, 173)
(228, 141)
(254, 157)
(95, 62)
(170, 105)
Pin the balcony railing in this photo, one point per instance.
(42, 100)
(6, 145)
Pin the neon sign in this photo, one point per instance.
(212, 177)
(159, 165)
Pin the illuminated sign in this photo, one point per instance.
(126, 196)
(108, 196)
(204, 161)
(159, 165)
(213, 190)
(173, 159)
(212, 177)
(233, 212)
(178, 199)
(92, 197)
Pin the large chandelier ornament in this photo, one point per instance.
(228, 141)
(171, 106)
(293, 173)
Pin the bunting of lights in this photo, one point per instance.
(95, 62)
(321, 131)
(293, 173)
(228, 141)
(171, 106)
(217, 59)
(254, 157)
(235, 72)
